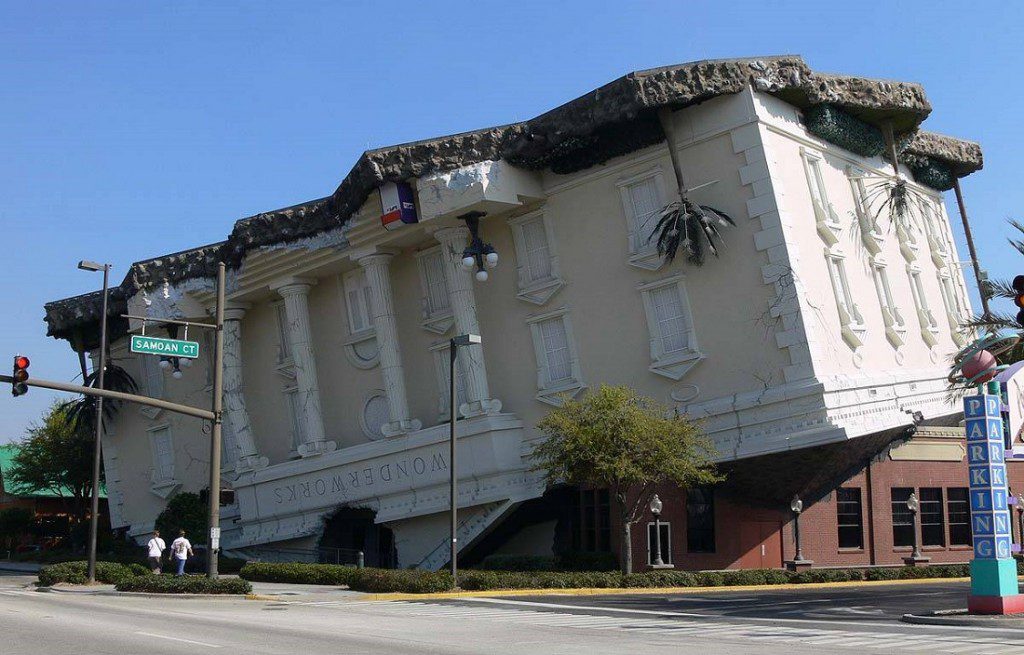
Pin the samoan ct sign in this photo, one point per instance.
(165, 347)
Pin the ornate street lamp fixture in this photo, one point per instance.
(914, 505)
(478, 255)
(797, 506)
(1020, 518)
(655, 506)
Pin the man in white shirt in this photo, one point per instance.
(181, 549)
(156, 548)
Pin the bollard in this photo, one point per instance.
(360, 562)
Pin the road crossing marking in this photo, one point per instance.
(682, 625)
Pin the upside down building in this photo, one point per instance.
(813, 349)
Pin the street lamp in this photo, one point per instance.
(1020, 519)
(453, 347)
(797, 506)
(479, 254)
(655, 506)
(86, 265)
(914, 505)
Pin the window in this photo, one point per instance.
(825, 217)
(850, 319)
(437, 310)
(958, 514)
(153, 376)
(442, 352)
(850, 518)
(537, 263)
(954, 311)
(358, 301)
(700, 520)
(933, 526)
(298, 419)
(665, 545)
(642, 200)
(669, 323)
(902, 518)
(376, 414)
(933, 226)
(591, 519)
(558, 370)
(284, 344)
(895, 326)
(929, 326)
(163, 454)
(870, 232)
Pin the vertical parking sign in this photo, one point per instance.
(990, 515)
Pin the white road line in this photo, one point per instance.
(186, 641)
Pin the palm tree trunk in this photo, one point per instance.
(665, 118)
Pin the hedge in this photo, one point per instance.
(77, 573)
(298, 573)
(189, 584)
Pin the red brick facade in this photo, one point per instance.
(750, 536)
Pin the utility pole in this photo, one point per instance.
(215, 433)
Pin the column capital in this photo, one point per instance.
(376, 259)
(234, 311)
(452, 235)
(292, 285)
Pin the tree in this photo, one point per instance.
(185, 511)
(628, 444)
(56, 456)
(14, 522)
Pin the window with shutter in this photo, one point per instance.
(358, 302)
(153, 376)
(669, 323)
(825, 218)
(441, 367)
(558, 370)
(437, 309)
(536, 259)
(163, 454)
(929, 326)
(643, 198)
(895, 326)
(645, 203)
(851, 321)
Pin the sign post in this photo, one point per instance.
(994, 587)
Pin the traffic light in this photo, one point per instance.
(1018, 299)
(20, 375)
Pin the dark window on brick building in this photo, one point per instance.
(850, 518)
(592, 524)
(958, 512)
(902, 519)
(933, 522)
(700, 520)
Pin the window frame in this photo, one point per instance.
(643, 253)
(965, 512)
(360, 346)
(826, 220)
(925, 317)
(954, 309)
(551, 391)
(904, 513)
(892, 318)
(666, 543)
(851, 320)
(871, 233)
(441, 353)
(932, 528)
(160, 484)
(859, 525)
(537, 291)
(675, 364)
(434, 319)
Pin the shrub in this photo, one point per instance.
(882, 574)
(582, 561)
(665, 578)
(77, 572)
(827, 575)
(189, 584)
(517, 563)
(298, 573)
(397, 580)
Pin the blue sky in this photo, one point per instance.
(134, 129)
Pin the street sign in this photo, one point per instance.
(166, 347)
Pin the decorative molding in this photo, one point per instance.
(361, 349)
(829, 227)
(438, 320)
(867, 221)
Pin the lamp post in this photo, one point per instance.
(913, 505)
(94, 509)
(1020, 519)
(797, 506)
(655, 506)
(453, 347)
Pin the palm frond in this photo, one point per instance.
(1018, 244)
(692, 227)
(999, 289)
(82, 412)
(992, 322)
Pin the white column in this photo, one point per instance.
(460, 292)
(296, 306)
(240, 450)
(378, 278)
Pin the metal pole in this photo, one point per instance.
(657, 541)
(796, 537)
(916, 554)
(213, 545)
(452, 412)
(101, 379)
(970, 244)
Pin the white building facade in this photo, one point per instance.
(820, 323)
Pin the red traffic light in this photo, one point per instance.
(20, 375)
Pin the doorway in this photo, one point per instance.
(761, 545)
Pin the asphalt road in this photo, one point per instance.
(707, 624)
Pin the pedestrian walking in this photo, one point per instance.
(181, 550)
(156, 548)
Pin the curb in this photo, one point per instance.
(136, 594)
(639, 591)
(960, 618)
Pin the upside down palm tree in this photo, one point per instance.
(683, 222)
(993, 322)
